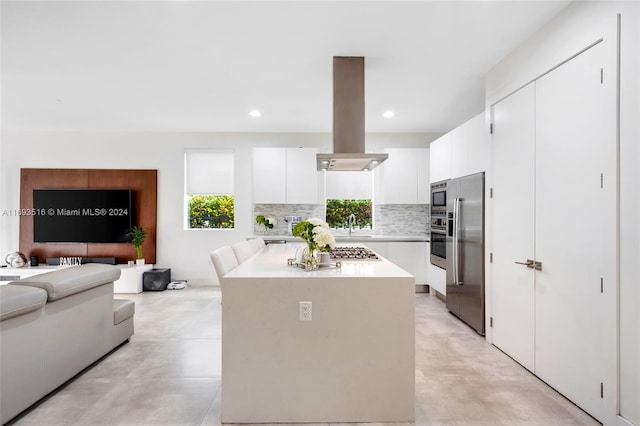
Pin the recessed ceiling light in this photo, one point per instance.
(255, 113)
(388, 114)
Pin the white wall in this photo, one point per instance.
(186, 252)
(574, 28)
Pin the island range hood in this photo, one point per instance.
(348, 120)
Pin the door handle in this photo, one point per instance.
(530, 263)
(456, 251)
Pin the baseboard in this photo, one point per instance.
(440, 295)
(422, 288)
(621, 421)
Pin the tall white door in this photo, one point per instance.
(574, 145)
(512, 284)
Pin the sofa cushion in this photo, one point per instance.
(17, 300)
(67, 281)
(123, 309)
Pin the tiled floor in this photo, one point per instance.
(169, 374)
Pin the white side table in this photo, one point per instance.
(9, 274)
(130, 278)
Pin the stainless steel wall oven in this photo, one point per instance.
(438, 255)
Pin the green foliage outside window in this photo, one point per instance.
(338, 212)
(211, 211)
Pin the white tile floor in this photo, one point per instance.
(169, 374)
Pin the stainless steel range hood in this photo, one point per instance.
(348, 120)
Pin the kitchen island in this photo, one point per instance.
(352, 362)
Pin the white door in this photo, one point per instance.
(512, 285)
(573, 147)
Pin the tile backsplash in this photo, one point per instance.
(390, 219)
(279, 211)
(402, 219)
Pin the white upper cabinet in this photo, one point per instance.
(470, 147)
(459, 155)
(424, 187)
(269, 175)
(405, 176)
(302, 176)
(440, 158)
(461, 152)
(478, 145)
(285, 175)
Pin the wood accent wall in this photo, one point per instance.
(142, 183)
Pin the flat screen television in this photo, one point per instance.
(82, 215)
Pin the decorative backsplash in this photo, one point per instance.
(402, 219)
(279, 211)
(390, 219)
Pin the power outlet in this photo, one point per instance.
(305, 311)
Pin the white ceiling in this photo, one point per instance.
(203, 65)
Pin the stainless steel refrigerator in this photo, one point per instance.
(465, 249)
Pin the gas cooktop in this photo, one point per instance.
(353, 253)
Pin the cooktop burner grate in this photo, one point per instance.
(353, 253)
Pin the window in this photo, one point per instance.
(349, 193)
(338, 212)
(209, 200)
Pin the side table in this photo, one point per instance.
(130, 278)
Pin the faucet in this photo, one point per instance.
(351, 221)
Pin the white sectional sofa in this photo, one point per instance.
(54, 325)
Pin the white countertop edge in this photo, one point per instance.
(355, 238)
(271, 262)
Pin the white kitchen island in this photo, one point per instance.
(353, 362)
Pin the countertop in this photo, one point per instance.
(271, 262)
(355, 238)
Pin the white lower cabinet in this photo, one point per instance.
(410, 256)
(380, 248)
(437, 279)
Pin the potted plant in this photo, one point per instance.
(267, 221)
(138, 235)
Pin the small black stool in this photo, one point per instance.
(156, 279)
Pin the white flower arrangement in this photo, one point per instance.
(316, 233)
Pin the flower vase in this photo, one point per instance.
(307, 255)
